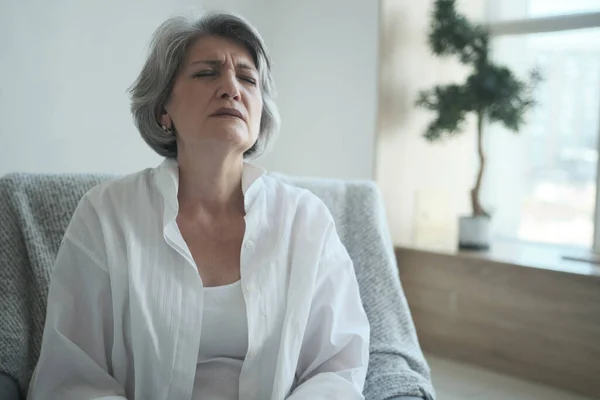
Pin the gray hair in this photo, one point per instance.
(168, 50)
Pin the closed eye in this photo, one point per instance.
(204, 73)
(249, 80)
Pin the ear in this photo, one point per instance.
(165, 120)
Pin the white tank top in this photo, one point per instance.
(223, 343)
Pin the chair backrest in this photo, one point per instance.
(35, 210)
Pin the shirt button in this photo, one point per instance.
(249, 244)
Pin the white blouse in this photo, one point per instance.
(124, 316)
(223, 343)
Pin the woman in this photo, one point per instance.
(203, 278)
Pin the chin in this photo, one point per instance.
(238, 138)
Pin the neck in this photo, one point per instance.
(210, 184)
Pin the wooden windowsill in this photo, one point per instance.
(530, 255)
(517, 309)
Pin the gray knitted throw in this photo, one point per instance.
(35, 211)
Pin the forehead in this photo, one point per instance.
(219, 48)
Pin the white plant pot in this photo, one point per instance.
(474, 233)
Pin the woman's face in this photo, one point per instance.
(216, 99)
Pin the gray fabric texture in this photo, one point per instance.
(35, 211)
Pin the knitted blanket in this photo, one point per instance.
(35, 211)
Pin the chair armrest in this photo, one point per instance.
(9, 390)
(406, 398)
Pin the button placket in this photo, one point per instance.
(250, 287)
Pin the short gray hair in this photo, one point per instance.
(168, 50)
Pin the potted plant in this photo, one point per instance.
(491, 92)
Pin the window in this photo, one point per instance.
(544, 181)
(502, 10)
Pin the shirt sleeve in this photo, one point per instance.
(75, 357)
(335, 349)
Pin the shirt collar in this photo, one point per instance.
(167, 180)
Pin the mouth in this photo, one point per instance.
(228, 113)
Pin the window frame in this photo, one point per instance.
(558, 23)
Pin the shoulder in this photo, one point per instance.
(108, 202)
(299, 217)
(128, 189)
(104, 210)
(310, 225)
(298, 201)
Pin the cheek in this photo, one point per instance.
(256, 107)
(187, 98)
(257, 119)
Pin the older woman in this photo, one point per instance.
(203, 278)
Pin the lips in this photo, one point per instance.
(228, 112)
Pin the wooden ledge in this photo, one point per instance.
(529, 255)
(539, 322)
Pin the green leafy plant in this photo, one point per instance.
(492, 92)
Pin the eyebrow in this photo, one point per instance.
(218, 63)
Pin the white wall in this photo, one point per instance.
(325, 64)
(66, 65)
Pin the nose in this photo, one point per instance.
(228, 89)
